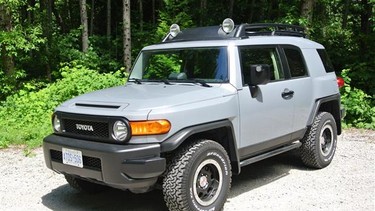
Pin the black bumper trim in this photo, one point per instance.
(122, 166)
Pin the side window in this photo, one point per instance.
(326, 61)
(251, 56)
(295, 61)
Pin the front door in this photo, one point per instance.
(266, 119)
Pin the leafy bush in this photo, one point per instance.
(360, 110)
(26, 115)
(8, 83)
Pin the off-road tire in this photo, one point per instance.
(194, 173)
(83, 185)
(319, 143)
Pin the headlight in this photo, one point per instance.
(56, 124)
(120, 131)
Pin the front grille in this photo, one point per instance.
(86, 128)
(88, 162)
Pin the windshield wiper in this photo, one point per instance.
(196, 81)
(165, 81)
(203, 83)
(136, 80)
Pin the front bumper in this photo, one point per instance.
(133, 167)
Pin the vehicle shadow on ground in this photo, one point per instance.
(265, 172)
(251, 177)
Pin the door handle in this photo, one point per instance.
(287, 94)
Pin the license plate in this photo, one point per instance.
(72, 157)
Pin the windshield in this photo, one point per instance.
(209, 65)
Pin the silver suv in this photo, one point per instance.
(196, 109)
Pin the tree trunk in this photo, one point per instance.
(203, 11)
(365, 28)
(109, 14)
(6, 26)
(231, 4)
(365, 17)
(345, 14)
(68, 6)
(307, 10)
(141, 15)
(252, 11)
(92, 17)
(46, 11)
(126, 37)
(84, 25)
(59, 19)
(30, 13)
(153, 13)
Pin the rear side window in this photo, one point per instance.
(326, 61)
(296, 63)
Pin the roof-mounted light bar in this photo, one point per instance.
(228, 25)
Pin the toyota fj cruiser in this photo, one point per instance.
(196, 109)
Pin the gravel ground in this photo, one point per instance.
(278, 183)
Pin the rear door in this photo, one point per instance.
(301, 84)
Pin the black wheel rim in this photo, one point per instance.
(207, 183)
(326, 140)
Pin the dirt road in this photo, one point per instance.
(279, 183)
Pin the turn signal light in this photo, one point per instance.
(340, 82)
(152, 127)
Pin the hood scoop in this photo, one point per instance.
(92, 105)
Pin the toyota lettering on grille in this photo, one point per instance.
(84, 127)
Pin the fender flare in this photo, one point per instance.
(337, 111)
(174, 141)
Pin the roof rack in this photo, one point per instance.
(259, 29)
(236, 31)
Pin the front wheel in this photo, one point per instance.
(198, 177)
(319, 144)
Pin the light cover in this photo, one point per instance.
(174, 30)
(228, 25)
(120, 131)
(56, 124)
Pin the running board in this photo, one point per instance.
(270, 153)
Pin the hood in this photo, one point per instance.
(142, 98)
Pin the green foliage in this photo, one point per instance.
(20, 39)
(174, 12)
(25, 116)
(360, 110)
(7, 83)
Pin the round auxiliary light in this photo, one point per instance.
(228, 25)
(56, 124)
(120, 131)
(174, 30)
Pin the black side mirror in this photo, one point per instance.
(259, 74)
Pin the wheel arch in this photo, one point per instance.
(330, 104)
(219, 131)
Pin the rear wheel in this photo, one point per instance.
(83, 185)
(319, 144)
(198, 177)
